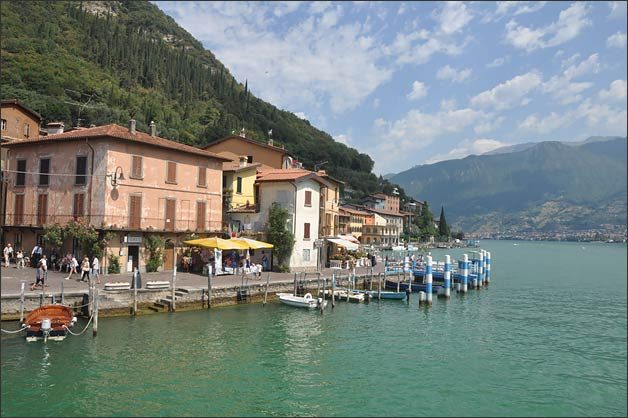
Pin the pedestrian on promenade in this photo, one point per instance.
(8, 254)
(19, 258)
(72, 266)
(96, 269)
(264, 262)
(85, 270)
(36, 254)
(39, 277)
(44, 264)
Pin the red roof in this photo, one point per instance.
(250, 141)
(118, 132)
(235, 166)
(288, 174)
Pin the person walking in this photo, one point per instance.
(36, 255)
(19, 259)
(96, 269)
(85, 270)
(72, 266)
(8, 254)
(39, 277)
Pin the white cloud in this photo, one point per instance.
(618, 9)
(301, 115)
(453, 16)
(508, 94)
(343, 138)
(286, 7)
(497, 62)
(449, 73)
(418, 90)
(468, 147)
(616, 91)
(617, 40)
(544, 125)
(448, 104)
(376, 103)
(488, 126)
(570, 23)
(563, 88)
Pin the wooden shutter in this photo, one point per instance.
(79, 208)
(135, 212)
(42, 209)
(170, 206)
(44, 169)
(172, 172)
(201, 209)
(20, 178)
(202, 176)
(136, 170)
(308, 198)
(18, 216)
(306, 231)
(239, 185)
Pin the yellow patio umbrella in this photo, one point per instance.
(252, 243)
(215, 242)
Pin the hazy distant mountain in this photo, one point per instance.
(526, 145)
(542, 186)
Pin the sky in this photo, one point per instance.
(413, 83)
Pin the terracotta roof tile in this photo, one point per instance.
(235, 166)
(119, 132)
(250, 141)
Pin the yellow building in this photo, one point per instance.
(238, 182)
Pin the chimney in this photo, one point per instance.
(55, 128)
(132, 126)
(153, 129)
(243, 160)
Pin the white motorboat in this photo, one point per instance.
(306, 301)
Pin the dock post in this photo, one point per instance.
(487, 268)
(398, 280)
(447, 276)
(428, 280)
(421, 298)
(22, 283)
(480, 269)
(135, 292)
(266, 290)
(333, 289)
(318, 283)
(379, 286)
(323, 302)
(174, 281)
(62, 294)
(95, 319)
(465, 272)
(209, 288)
(295, 285)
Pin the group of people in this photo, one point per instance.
(20, 258)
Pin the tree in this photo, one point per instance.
(53, 235)
(154, 244)
(443, 228)
(84, 233)
(426, 223)
(279, 235)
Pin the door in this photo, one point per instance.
(134, 258)
(169, 255)
(170, 205)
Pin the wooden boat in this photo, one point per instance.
(306, 301)
(49, 322)
(386, 294)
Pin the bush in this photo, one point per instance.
(153, 265)
(114, 264)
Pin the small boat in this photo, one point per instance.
(398, 248)
(306, 301)
(49, 322)
(384, 294)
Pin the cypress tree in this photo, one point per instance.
(443, 228)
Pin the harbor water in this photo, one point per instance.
(546, 338)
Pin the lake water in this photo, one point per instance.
(548, 337)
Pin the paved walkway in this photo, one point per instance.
(11, 278)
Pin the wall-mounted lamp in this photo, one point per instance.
(116, 176)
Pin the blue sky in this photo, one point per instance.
(412, 83)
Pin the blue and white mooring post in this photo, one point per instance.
(488, 267)
(428, 279)
(445, 291)
(480, 270)
(465, 273)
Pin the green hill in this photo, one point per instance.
(104, 62)
(549, 186)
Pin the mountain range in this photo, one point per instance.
(534, 188)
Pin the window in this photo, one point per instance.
(44, 170)
(20, 178)
(306, 231)
(18, 209)
(81, 170)
(135, 212)
(224, 182)
(306, 255)
(170, 206)
(308, 198)
(202, 176)
(42, 209)
(201, 209)
(27, 130)
(79, 206)
(4, 124)
(171, 176)
(239, 185)
(136, 167)
(249, 159)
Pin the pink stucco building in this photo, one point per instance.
(118, 179)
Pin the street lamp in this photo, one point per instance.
(116, 176)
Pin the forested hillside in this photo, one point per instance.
(103, 62)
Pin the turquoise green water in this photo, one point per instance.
(548, 337)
